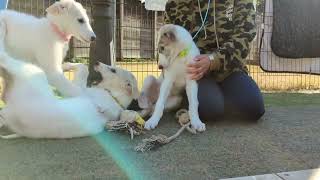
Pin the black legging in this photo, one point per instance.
(237, 96)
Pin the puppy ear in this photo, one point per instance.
(132, 89)
(170, 35)
(56, 8)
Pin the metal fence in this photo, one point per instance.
(136, 34)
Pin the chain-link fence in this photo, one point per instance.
(136, 36)
(136, 48)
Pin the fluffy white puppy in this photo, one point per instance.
(176, 50)
(112, 92)
(44, 41)
(33, 111)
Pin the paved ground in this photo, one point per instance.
(309, 174)
(286, 139)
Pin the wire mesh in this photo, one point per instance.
(133, 20)
(136, 47)
(271, 62)
(136, 38)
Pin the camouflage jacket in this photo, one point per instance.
(235, 27)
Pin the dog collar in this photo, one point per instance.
(184, 52)
(116, 99)
(62, 35)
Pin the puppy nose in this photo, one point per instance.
(160, 67)
(93, 38)
(97, 63)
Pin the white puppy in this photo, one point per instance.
(44, 41)
(176, 49)
(33, 111)
(117, 86)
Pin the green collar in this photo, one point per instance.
(184, 52)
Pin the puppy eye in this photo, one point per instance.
(81, 20)
(161, 49)
(113, 70)
(128, 84)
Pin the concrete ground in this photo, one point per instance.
(286, 139)
(309, 174)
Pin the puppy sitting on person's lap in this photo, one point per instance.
(176, 50)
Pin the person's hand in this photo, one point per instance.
(197, 69)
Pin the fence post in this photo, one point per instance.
(70, 54)
(103, 22)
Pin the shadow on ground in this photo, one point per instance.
(286, 139)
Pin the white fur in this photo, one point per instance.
(119, 82)
(33, 111)
(33, 39)
(175, 78)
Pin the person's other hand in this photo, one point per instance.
(197, 69)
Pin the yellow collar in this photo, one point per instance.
(184, 52)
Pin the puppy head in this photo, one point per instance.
(117, 79)
(72, 18)
(172, 40)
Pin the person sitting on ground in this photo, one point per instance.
(223, 30)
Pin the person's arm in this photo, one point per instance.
(237, 48)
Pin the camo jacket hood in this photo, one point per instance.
(235, 27)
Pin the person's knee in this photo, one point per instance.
(245, 101)
(212, 113)
(253, 112)
(211, 100)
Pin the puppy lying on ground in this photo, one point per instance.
(119, 84)
(33, 111)
(44, 41)
(176, 49)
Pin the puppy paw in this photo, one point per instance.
(198, 125)
(151, 123)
